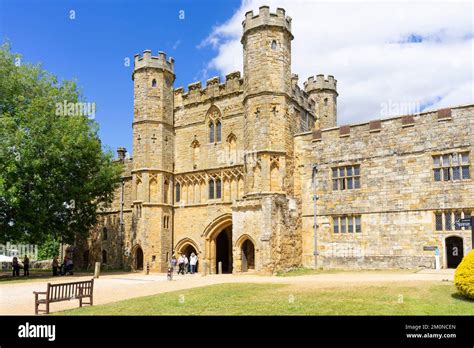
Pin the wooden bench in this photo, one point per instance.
(65, 292)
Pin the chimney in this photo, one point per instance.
(121, 151)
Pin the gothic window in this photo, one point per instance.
(211, 189)
(451, 167)
(215, 125)
(218, 188)
(153, 83)
(274, 45)
(215, 188)
(104, 256)
(178, 192)
(218, 131)
(211, 132)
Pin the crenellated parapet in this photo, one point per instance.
(320, 83)
(299, 95)
(214, 89)
(157, 62)
(266, 18)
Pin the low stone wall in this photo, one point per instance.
(378, 262)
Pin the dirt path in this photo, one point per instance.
(18, 299)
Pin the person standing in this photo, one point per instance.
(174, 262)
(193, 262)
(16, 267)
(186, 264)
(26, 266)
(55, 266)
(181, 264)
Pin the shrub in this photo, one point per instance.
(464, 276)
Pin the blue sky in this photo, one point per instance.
(93, 47)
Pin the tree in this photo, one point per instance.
(54, 175)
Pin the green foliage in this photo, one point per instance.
(464, 276)
(48, 249)
(47, 160)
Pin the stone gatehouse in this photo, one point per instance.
(229, 171)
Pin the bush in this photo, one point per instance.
(464, 276)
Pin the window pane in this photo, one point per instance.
(351, 224)
(456, 173)
(446, 174)
(356, 170)
(343, 224)
(349, 183)
(437, 174)
(439, 222)
(218, 188)
(211, 132)
(211, 189)
(334, 172)
(465, 158)
(446, 160)
(342, 184)
(447, 222)
(358, 225)
(334, 184)
(218, 131)
(341, 171)
(336, 224)
(437, 161)
(457, 217)
(349, 171)
(178, 192)
(356, 182)
(465, 172)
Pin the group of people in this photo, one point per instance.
(16, 266)
(184, 264)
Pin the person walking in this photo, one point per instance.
(174, 262)
(55, 266)
(16, 267)
(26, 266)
(181, 264)
(186, 264)
(193, 262)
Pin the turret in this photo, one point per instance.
(324, 94)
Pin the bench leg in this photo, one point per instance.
(47, 307)
(80, 302)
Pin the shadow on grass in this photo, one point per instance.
(459, 296)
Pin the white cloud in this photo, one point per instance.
(366, 46)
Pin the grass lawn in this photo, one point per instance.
(418, 298)
(308, 271)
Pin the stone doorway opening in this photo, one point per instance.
(138, 259)
(187, 250)
(454, 251)
(248, 255)
(223, 243)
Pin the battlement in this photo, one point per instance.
(214, 89)
(266, 18)
(157, 62)
(320, 83)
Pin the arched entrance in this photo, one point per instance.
(187, 247)
(223, 244)
(248, 255)
(454, 251)
(138, 259)
(219, 244)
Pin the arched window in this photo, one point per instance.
(165, 191)
(218, 131)
(274, 45)
(211, 132)
(104, 256)
(211, 189)
(325, 101)
(104, 233)
(178, 192)
(153, 83)
(218, 188)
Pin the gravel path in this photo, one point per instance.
(18, 299)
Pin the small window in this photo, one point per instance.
(218, 188)
(343, 224)
(153, 258)
(211, 189)
(447, 221)
(178, 192)
(325, 101)
(218, 131)
(274, 45)
(350, 226)
(165, 191)
(336, 224)
(153, 83)
(358, 225)
(439, 221)
(211, 132)
(104, 256)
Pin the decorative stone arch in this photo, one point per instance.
(185, 242)
(240, 257)
(213, 120)
(138, 258)
(445, 250)
(210, 234)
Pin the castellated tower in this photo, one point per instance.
(153, 153)
(268, 208)
(267, 94)
(324, 94)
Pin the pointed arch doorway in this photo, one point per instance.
(219, 245)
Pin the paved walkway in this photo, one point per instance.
(18, 299)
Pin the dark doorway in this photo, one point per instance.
(188, 250)
(139, 259)
(454, 251)
(224, 250)
(248, 256)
